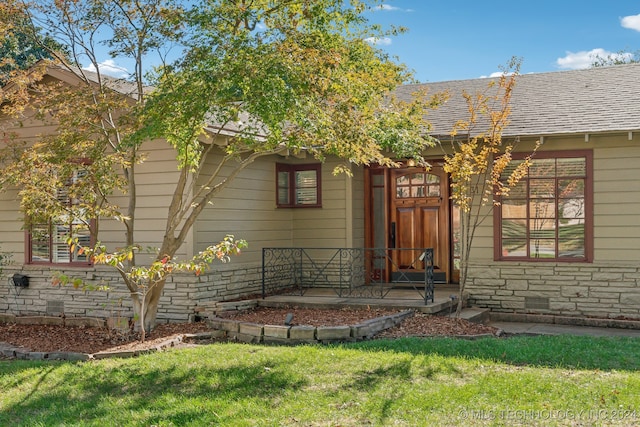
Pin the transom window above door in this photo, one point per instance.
(422, 184)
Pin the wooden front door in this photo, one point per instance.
(415, 215)
(419, 219)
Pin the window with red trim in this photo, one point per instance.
(298, 186)
(548, 215)
(47, 241)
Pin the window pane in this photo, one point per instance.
(542, 229)
(417, 191)
(510, 168)
(571, 248)
(417, 178)
(543, 248)
(514, 247)
(543, 168)
(513, 229)
(379, 218)
(283, 179)
(518, 191)
(306, 178)
(572, 167)
(402, 180)
(306, 196)
(306, 187)
(542, 208)
(571, 232)
(514, 208)
(542, 188)
(402, 192)
(60, 247)
(570, 188)
(84, 239)
(571, 209)
(40, 250)
(433, 190)
(433, 179)
(283, 188)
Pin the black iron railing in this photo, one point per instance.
(350, 272)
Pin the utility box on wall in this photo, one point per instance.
(20, 280)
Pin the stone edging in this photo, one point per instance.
(10, 352)
(281, 334)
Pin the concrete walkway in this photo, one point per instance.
(556, 329)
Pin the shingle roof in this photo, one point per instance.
(603, 99)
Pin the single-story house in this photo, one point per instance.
(567, 242)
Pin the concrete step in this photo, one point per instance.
(473, 314)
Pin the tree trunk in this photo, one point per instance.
(153, 300)
(146, 309)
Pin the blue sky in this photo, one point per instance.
(463, 39)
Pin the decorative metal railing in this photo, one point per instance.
(349, 272)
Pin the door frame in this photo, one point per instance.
(378, 215)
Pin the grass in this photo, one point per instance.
(559, 380)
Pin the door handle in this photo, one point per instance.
(392, 237)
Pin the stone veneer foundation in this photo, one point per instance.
(563, 289)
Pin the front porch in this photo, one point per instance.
(444, 301)
(354, 277)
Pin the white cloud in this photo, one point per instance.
(110, 68)
(632, 22)
(584, 59)
(387, 8)
(495, 74)
(378, 41)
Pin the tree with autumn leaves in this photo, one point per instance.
(479, 161)
(291, 75)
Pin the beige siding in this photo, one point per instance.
(11, 226)
(155, 179)
(616, 198)
(155, 184)
(325, 227)
(246, 209)
(357, 211)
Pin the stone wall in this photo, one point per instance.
(182, 292)
(588, 290)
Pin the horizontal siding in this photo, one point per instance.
(11, 226)
(616, 199)
(358, 214)
(246, 209)
(325, 227)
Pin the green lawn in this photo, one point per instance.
(525, 380)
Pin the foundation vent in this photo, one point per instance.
(55, 307)
(538, 303)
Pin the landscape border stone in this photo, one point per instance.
(19, 353)
(247, 332)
